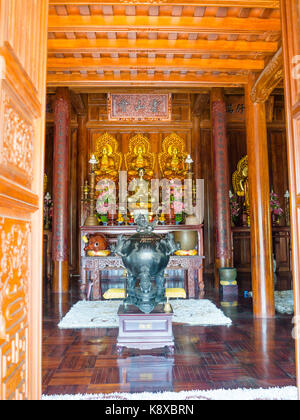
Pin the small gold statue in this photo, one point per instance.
(241, 184)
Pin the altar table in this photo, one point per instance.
(191, 264)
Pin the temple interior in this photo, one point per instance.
(149, 177)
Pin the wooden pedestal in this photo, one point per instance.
(145, 331)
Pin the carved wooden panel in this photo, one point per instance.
(16, 141)
(14, 280)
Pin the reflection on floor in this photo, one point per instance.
(250, 353)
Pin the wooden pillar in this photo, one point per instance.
(60, 191)
(195, 152)
(260, 218)
(82, 158)
(223, 248)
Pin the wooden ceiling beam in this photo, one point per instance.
(144, 79)
(194, 64)
(73, 46)
(272, 4)
(215, 25)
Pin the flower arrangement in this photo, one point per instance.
(176, 201)
(276, 210)
(235, 208)
(106, 201)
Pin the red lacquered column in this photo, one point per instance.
(223, 247)
(60, 191)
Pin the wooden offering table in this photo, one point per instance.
(145, 331)
(191, 264)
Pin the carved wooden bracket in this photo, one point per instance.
(269, 79)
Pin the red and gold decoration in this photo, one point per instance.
(96, 245)
(139, 107)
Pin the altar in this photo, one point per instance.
(92, 266)
(113, 199)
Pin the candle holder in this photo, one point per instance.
(92, 219)
(287, 208)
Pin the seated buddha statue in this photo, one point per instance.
(140, 161)
(175, 165)
(107, 167)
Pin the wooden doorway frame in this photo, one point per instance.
(290, 14)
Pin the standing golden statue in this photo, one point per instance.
(110, 160)
(139, 157)
(172, 160)
(241, 185)
(141, 199)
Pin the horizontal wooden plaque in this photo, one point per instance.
(139, 107)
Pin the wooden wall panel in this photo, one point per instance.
(23, 37)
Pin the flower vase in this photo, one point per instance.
(275, 219)
(172, 216)
(178, 219)
(111, 218)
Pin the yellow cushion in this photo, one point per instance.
(176, 293)
(183, 253)
(114, 294)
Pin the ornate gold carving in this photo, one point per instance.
(110, 160)
(241, 185)
(139, 156)
(172, 158)
(14, 280)
(17, 140)
(269, 79)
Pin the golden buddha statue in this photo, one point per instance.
(141, 199)
(241, 184)
(175, 165)
(109, 159)
(173, 158)
(139, 157)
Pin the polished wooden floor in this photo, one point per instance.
(250, 353)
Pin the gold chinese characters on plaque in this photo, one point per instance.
(139, 107)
